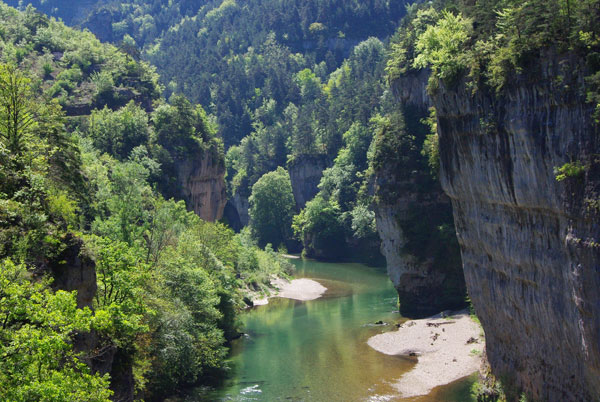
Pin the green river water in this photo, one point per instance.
(317, 350)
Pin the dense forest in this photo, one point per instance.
(233, 58)
(289, 84)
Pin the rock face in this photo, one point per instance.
(414, 217)
(236, 212)
(530, 244)
(305, 175)
(74, 270)
(201, 181)
(430, 280)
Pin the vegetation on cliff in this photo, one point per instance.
(489, 41)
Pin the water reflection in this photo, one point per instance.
(317, 350)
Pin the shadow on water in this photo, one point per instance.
(317, 350)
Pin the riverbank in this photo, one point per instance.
(297, 289)
(447, 349)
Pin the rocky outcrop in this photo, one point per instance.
(74, 270)
(411, 89)
(237, 212)
(305, 174)
(422, 256)
(413, 217)
(530, 244)
(201, 180)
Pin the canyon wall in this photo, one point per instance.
(305, 174)
(414, 217)
(201, 181)
(530, 243)
(422, 256)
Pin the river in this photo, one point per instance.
(317, 350)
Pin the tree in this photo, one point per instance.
(117, 133)
(17, 108)
(271, 208)
(441, 47)
(37, 360)
(318, 226)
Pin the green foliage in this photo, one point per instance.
(396, 156)
(169, 286)
(271, 208)
(36, 342)
(183, 132)
(363, 221)
(570, 170)
(105, 86)
(40, 165)
(403, 43)
(328, 124)
(318, 225)
(180, 127)
(441, 47)
(313, 127)
(117, 133)
(215, 52)
(73, 67)
(17, 109)
(431, 145)
(509, 38)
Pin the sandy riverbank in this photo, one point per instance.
(447, 349)
(297, 289)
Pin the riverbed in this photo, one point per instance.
(317, 350)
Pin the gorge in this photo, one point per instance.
(152, 184)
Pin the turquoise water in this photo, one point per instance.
(317, 350)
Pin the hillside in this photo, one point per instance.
(230, 57)
(97, 259)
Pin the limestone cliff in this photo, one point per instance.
(305, 174)
(237, 212)
(422, 257)
(530, 243)
(201, 181)
(413, 217)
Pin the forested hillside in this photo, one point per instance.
(299, 85)
(98, 262)
(231, 57)
(291, 84)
